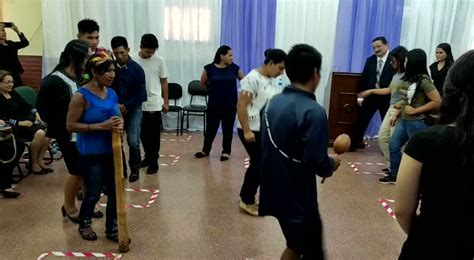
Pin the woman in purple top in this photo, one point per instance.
(94, 114)
(219, 77)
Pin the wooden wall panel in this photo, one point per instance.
(33, 66)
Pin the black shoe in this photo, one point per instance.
(386, 170)
(224, 157)
(152, 169)
(388, 180)
(144, 163)
(74, 219)
(134, 176)
(9, 194)
(201, 154)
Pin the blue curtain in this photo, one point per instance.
(248, 27)
(358, 23)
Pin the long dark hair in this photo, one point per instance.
(416, 65)
(447, 48)
(457, 105)
(275, 55)
(223, 50)
(74, 53)
(399, 54)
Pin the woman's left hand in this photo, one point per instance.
(409, 110)
(118, 124)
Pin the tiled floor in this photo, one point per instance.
(196, 214)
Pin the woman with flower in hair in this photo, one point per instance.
(94, 114)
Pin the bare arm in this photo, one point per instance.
(164, 89)
(380, 91)
(245, 98)
(204, 79)
(407, 191)
(240, 75)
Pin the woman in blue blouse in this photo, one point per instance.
(220, 78)
(94, 114)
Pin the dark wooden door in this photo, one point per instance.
(343, 107)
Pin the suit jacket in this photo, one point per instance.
(369, 74)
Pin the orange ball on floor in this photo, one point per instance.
(342, 144)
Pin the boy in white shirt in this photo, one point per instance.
(156, 75)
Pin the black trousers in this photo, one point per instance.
(369, 106)
(6, 169)
(150, 136)
(214, 119)
(252, 175)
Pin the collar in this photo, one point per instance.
(292, 88)
(384, 58)
(125, 66)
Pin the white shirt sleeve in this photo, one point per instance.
(163, 69)
(249, 83)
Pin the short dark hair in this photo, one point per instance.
(4, 73)
(275, 55)
(380, 38)
(416, 65)
(149, 40)
(100, 68)
(223, 50)
(399, 54)
(301, 62)
(87, 26)
(118, 41)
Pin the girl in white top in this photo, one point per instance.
(255, 90)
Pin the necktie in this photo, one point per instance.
(379, 69)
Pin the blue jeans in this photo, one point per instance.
(133, 122)
(404, 130)
(98, 172)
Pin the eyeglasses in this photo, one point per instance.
(11, 82)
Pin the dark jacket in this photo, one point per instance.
(9, 57)
(369, 74)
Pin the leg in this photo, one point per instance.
(252, 175)
(151, 134)
(383, 104)
(213, 121)
(36, 144)
(289, 254)
(71, 188)
(385, 134)
(133, 120)
(228, 120)
(73, 180)
(398, 140)
(366, 112)
(415, 126)
(42, 152)
(109, 181)
(92, 169)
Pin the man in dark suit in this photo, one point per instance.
(377, 73)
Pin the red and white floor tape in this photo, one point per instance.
(180, 139)
(356, 170)
(246, 163)
(153, 197)
(80, 254)
(173, 163)
(390, 211)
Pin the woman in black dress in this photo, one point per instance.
(439, 69)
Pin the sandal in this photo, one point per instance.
(87, 233)
(74, 217)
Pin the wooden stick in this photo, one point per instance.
(124, 239)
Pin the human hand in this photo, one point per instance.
(118, 124)
(249, 137)
(122, 108)
(409, 110)
(15, 28)
(165, 107)
(393, 120)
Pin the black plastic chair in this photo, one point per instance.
(195, 90)
(175, 92)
